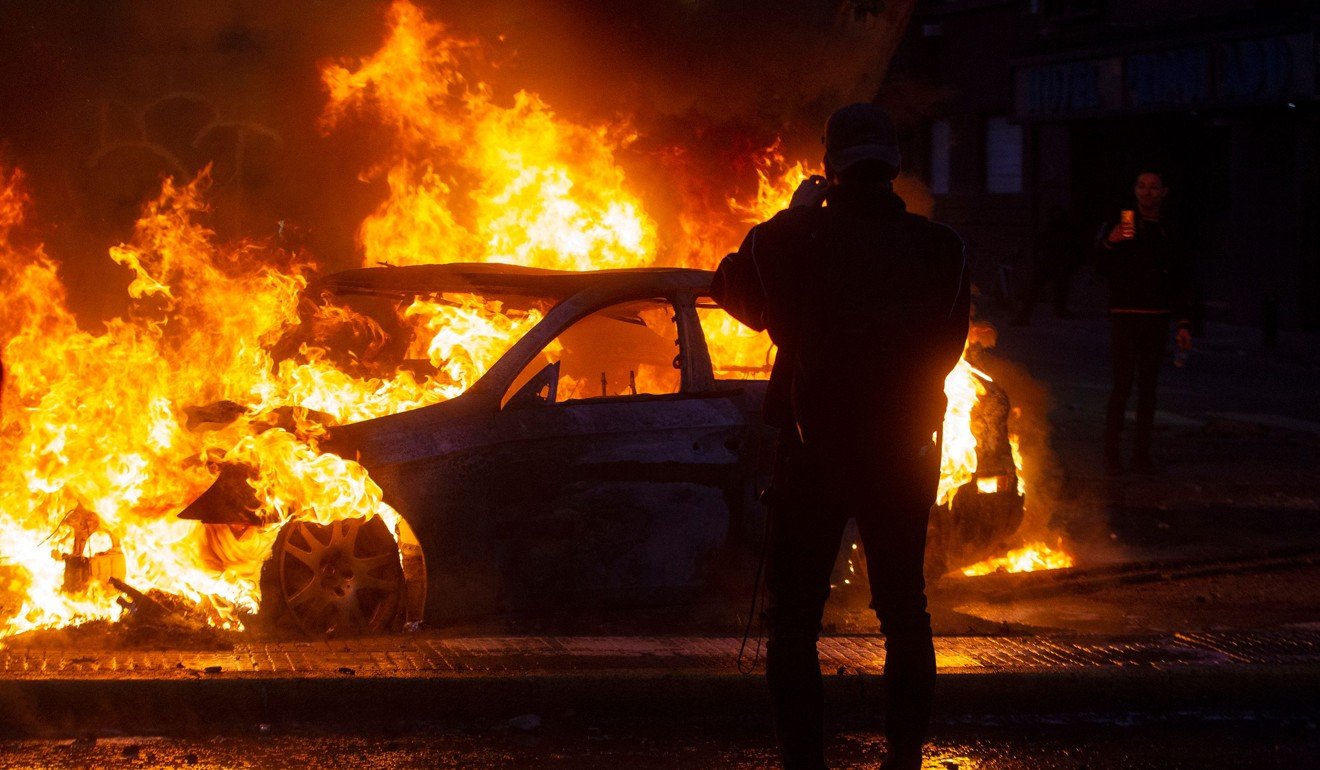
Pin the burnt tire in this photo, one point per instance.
(977, 526)
(338, 579)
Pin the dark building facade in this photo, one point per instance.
(1017, 106)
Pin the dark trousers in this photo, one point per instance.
(1138, 341)
(812, 499)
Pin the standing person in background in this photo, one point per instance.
(1144, 258)
(868, 304)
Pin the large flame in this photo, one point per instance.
(98, 421)
(1029, 558)
(531, 188)
(121, 421)
(962, 387)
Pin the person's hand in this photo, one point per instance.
(810, 193)
(1118, 234)
(1184, 338)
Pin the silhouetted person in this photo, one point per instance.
(1058, 253)
(869, 307)
(1146, 264)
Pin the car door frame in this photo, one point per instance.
(711, 462)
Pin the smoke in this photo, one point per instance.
(99, 101)
(1053, 510)
(785, 62)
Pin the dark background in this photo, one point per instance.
(1242, 161)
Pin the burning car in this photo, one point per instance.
(603, 460)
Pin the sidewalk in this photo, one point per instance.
(394, 681)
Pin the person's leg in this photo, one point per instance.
(1152, 340)
(1123, 364)
(804, 541)
(893, 529)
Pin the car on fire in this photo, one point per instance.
(602, 461)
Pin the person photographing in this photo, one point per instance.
(868, 305)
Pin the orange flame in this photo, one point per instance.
(1029, 558)
(534, 189)
(962, 387)
(98, 419)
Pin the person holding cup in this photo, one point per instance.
(1145, 261)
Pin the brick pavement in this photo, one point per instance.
(432, 655)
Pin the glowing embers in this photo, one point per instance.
(1028, 558)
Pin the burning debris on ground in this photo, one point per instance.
(174, 465)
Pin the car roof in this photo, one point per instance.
(498, 280)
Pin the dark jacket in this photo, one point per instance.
(869, 307)
(1150, 273)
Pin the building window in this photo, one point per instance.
(1003, 156)
(939, 157)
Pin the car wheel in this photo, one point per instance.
(344, 578)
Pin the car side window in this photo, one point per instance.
(629, 349)
(736, 351)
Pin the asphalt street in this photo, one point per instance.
(1188, 740)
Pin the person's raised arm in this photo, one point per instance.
(739, 287)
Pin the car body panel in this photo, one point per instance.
(600, 501)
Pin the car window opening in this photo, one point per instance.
(622, 351)
(736, 351)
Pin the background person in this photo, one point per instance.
(1146, 263)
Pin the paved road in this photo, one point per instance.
(1237, 436)
(1227, 371)
(1110, 741)
(387, 681)
(1234, 407)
